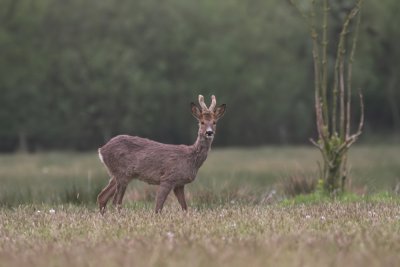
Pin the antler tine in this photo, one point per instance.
(213, 103)
(202, 104)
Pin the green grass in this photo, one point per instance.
(228, 174)
(347, 197)
(48, 216)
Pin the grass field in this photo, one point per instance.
(333, 234)
(48, 216)
(228, 174)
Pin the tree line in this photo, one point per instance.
(75, 73)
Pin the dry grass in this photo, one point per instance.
(335, 234)
(229, 223)
(298, 184)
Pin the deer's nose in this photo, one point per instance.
(209, 132)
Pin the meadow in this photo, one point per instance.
(238, 174)
(238, 213)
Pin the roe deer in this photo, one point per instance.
(169, 166)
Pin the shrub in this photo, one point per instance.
(299, 184)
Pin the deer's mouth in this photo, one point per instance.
(209, 135)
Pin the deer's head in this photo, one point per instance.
(207, 116)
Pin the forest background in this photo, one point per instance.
(75, 73)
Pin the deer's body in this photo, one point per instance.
(169, 166)
(133, 157)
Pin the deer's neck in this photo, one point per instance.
(200, 150)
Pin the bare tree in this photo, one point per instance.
(333, 103)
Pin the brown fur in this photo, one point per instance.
(169, 166)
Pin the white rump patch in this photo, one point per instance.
(101, 156)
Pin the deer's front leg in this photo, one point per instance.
(162, 193)
(180, 195)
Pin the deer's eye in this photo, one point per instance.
(202, 122)
(214, 122)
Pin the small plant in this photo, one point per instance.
(333, 102)
(299, 185)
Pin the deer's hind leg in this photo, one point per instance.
(106, 194)
(120, 192)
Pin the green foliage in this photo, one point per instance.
(313, 198)
(74, 73)
(384, 196)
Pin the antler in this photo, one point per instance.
(213, 103)
(202, 104)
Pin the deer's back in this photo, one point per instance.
(150, 161)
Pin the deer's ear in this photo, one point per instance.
(195, 111)
(220, 111)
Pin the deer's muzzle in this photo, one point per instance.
(209, 132)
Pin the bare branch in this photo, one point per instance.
(351, 139)
(321, 127)
(324, 84)
(339, 66)
(341, 93)
(347, 144)
(323, 152)
(315, 51)
(361, 123)
(315, 143)
(349, 74)
(324, 67)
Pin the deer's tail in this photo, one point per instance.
(100, 155)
